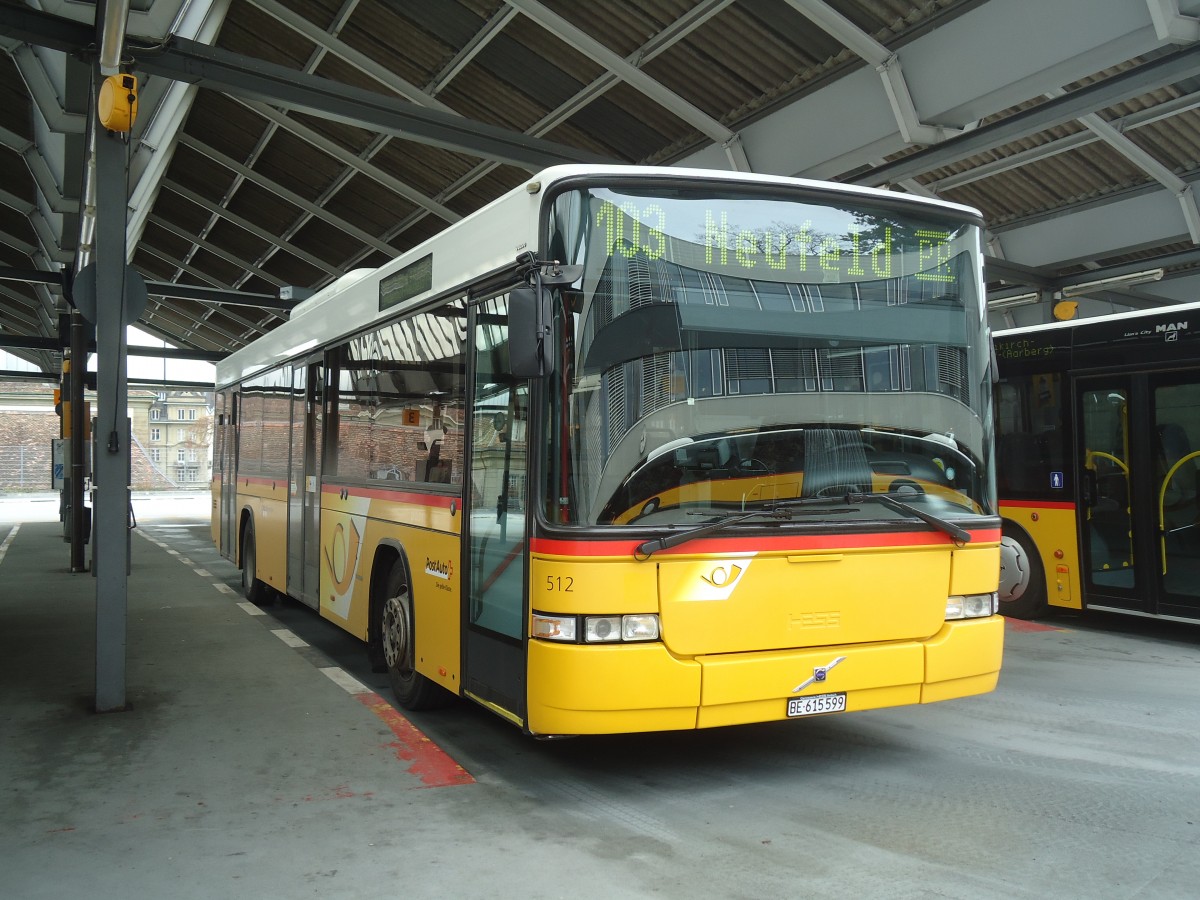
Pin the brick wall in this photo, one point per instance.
(25, 437)
(25, 449)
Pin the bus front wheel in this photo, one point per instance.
(254, 590)
(412, 689)
(1022, 580)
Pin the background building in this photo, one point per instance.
(171, 431)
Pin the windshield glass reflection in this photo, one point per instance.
(727, 351)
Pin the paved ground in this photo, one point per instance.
(245, 768)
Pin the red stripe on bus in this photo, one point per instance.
(435, 500)
(262, 479)
(1040, 504)
(750, 545)
(430, 762)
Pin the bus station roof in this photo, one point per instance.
(278, 145)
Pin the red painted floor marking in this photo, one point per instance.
(430, 762)
(1022, 625)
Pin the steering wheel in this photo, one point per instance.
(754, 466)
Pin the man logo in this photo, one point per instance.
(1171, 326)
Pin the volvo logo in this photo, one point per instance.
(820, 673)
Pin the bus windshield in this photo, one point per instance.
(727, 350)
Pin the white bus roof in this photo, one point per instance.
(484, 242)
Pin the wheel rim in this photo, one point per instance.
(1015, 570)
(396, 645)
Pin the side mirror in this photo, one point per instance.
(530, 350)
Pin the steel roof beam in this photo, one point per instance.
(45, 97)
(351, 160)
(886, 64)
(358, 60)
(1005, 270)
(471, 49)
(40, 276)
(637, 79)
(205, 319)
(255, 79)
(215, 250)
(216, 295)
(1123, 125)
(1169, 69)
(224, 213)
(290, 196)
(196, 63)
(664, 40)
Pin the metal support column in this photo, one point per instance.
(78, 437)
(110, 553)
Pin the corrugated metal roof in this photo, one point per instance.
(253, 198)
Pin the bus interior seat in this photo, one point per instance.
(1019, 456)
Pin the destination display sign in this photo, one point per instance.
(828, 245)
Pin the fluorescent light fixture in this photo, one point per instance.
(1117, 281)
(1018, 300)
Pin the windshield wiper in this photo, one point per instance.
(960, 535)
(781, 512)
(646, 548)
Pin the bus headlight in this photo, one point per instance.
(596, 629)
(554, 628)
(639, 628)
(972, 606)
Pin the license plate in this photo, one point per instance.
(816, 704)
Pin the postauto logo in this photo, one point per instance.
(439, 568)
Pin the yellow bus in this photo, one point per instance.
(636, 449)
(1098, 439)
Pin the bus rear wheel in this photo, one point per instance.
(1022, 580)
(397, 636)
(254, 590)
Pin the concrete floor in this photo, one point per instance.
(245, 768)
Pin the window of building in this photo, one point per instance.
(179, 454)
(156, 434)
(155, 414)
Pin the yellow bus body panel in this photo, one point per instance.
(873, 619)
(597, 586)
(359, 531)
(214, 522)
(1053, 529)
(975, 570)
(804, 599)
(267, 502)
(610, 689)
(963, 659)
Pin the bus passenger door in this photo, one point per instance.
(228, 463)
(495, 543)
(304, 483)
(1105, 521)
(1175, 498)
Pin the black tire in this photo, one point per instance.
(254, 590)
(1022, 577)
(396, 633)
